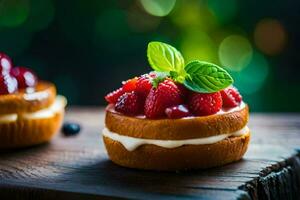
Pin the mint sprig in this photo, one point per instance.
(206, 77)
(198, 76)
(164, 58)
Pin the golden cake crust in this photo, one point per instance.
(21, 102)
(176, 129)
(27, 132)
(186, 157)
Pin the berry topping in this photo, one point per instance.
(167, 94)
(231, 97)
(113, 97)
(5, 63)
(129, 103)
(70, 129)
(130, 85)
(183, 91)
(25, 77)
(8, 84)
(143, 85)
(176, 112)
(205, 103)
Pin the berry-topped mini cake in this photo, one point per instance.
(30, 111)
(180, 116)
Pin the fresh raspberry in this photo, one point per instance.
(112, 97)
(129, 104)
(177, 112)
(205, 103)
(167, 94)
(25, 77)
(231, 97)
(143, 85)
(130, 85)
(8, 84)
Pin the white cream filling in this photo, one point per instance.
(131, 143)
(57, 106)
(8, 118)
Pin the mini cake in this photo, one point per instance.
(178, 117)
(30, 110)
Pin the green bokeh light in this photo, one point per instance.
(252, 78)
(224, 11)
(13, 12)
(198, 45)
(158, 8)
(235, 52)
(193, 14)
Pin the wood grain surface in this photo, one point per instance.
(78, 168)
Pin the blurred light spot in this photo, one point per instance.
(140, 21)
(158, 8)
(225, 11)
(198, 45)
(235, 52)
(13, 12)
(252, 78)
(41, 15)
(270, 36)
(193, 14)
(111, 25)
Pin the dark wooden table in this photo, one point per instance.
(78, 167)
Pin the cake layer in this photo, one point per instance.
(58, 105)
(131, 143)
(185, 157)
(29, 100)
(225, 122)
(27, 132)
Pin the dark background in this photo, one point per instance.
(87, 47)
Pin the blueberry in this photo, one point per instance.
(70, 129)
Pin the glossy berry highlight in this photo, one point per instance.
(25, 77)
(177, 112)
(8, 84)
(5, 63)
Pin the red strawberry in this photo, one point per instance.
(205, 103)
(231, 97)
(129, 104)
(143, 85)
(166, 94)
(130, 85)
(112, 97)
(176, 112)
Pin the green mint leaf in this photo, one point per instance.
(165, 58)
(206, 77)
(159, 77)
